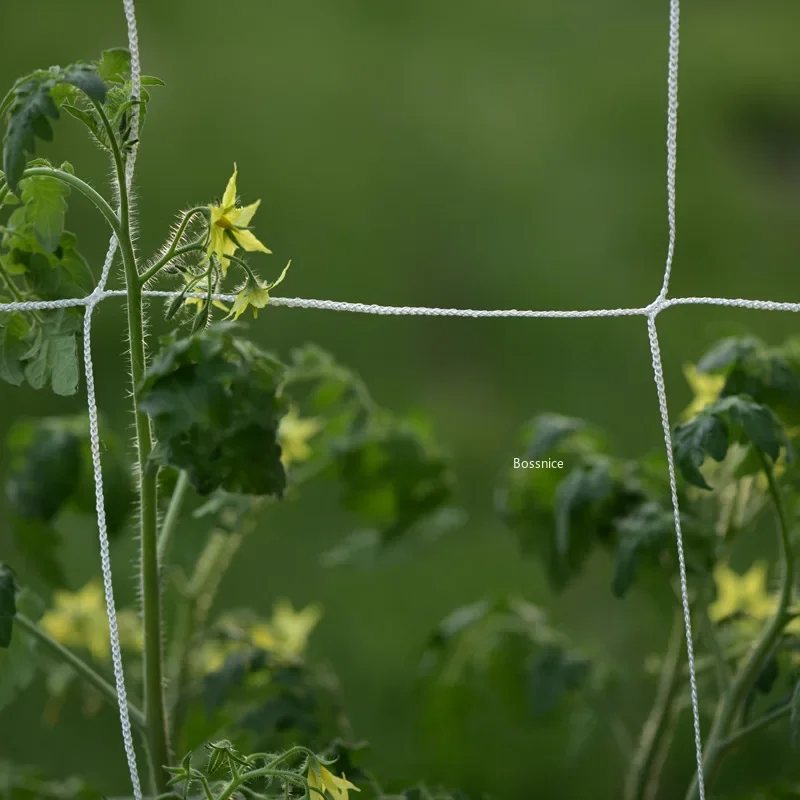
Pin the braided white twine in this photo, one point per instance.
(650, 312)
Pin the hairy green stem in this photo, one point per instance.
(157, 731)
(639, 776)
(172, 516)
(80, 666)
(262, 772)
(747, 674)
(76, 183)
(173, 250)
(148, 274)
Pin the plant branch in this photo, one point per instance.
(80, 666)
(721, 665)
(16, 295)
(148, 274)
(72, 180)
(662, 754)
(657, 722)
(173, 251)
(193, 611)
(770, 718)
(172, 516)
(748, 673)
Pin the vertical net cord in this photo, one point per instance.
(655, 352)
(672, 135)
(658, 371)
(97, 296)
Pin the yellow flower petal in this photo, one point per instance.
(293, 436)
(292, 628)
(261, 636)
(229, 198)
(241, 217)
(249, 242)
(705, 388)
(323, 780)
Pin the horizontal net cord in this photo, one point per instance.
(422, 311)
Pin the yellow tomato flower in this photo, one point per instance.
(78, 619)
(293, 435)
(327, 784)
(254, 295)
(746, 594)
(291, 628)
(705, 388)
(228, 226)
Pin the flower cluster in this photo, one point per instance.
(285, 636)
(79, 620)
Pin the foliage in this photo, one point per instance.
(230, 429)
(215, 404)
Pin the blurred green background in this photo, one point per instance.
(474, 154)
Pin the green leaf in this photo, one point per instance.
(45, 199)
(8, 604)
(40, 544)
(706, 434)
(13, 331)
(548, 431)
(29, 111)
(582, 488)
(85, 78)
(215, 403)
(554, 674)
(114, 65)
(91, 121)
(32, 103)
(45, 460)
(646, 532)
(18, 662)
(561, 513)
(758, 423)
(53, 358)
(392, 476)
(794, 719)
(728, 352)
(507, 647)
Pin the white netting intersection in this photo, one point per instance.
(650, 312)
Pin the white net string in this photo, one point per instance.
(651, 311)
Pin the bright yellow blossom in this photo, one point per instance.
(745, 594)
(79, 619)
(705, 389)
(293, 435)
(326, 783)
(291, 628)
(255, 295)
(285, 636)
(228, 229)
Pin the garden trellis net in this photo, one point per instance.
(650, 312)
